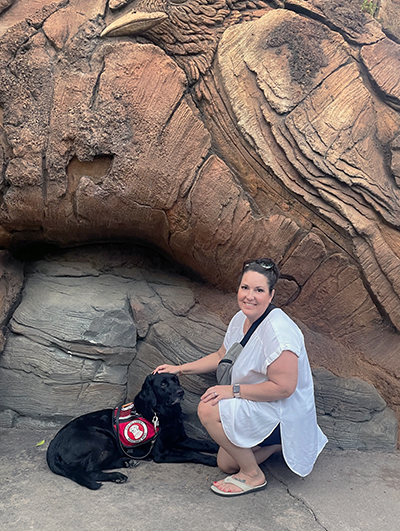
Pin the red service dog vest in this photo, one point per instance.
(132, 428)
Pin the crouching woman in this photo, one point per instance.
(270, 405)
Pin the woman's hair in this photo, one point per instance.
(266, 267)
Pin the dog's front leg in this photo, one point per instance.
(116, 477)
(198, 445)
(121, 462)
(177, 455)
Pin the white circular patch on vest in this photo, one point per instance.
(135, 431)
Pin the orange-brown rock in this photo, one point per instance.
(216, 131)
(388, 15)
(382, 60)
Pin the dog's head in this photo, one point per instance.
(159, 391)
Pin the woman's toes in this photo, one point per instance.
(226, 487)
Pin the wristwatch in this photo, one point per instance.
(236, 390)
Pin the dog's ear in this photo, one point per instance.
(145, 401)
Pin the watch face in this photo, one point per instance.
(236, 388)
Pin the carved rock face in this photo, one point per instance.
(223, 132)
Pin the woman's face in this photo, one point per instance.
(253, 295)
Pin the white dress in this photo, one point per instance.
(247, 423)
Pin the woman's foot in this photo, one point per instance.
(225, 485)
(234, 486)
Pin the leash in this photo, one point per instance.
(136, 416)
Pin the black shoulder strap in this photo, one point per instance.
(256, 323)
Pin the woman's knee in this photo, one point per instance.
(206, 412)
(202, 412)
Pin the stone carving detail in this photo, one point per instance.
(215, 130)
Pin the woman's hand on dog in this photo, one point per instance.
(172, 369)
(216, 393)
(213, 394)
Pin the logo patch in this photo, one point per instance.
(135, 431)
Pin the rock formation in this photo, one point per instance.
(92, 324)
(217, 130)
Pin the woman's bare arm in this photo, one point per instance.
(201, 366)
(282, 375)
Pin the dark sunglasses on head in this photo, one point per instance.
(260, 261)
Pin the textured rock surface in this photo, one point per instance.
(83, 339)
(229, 130)
(352, 414)
(11, 281)
(388, 16)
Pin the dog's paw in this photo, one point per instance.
(131, 464)
(211, 461)
(120, 478)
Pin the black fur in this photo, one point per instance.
(87, 445)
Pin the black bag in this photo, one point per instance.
(225, 366)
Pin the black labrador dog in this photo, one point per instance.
(88, 445)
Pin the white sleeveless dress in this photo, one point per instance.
(247, 423)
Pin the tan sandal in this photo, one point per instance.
(245, 488)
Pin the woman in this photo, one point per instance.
(273, 405)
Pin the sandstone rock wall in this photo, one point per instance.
(83, 339)
(352, 414)
(215, 131)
